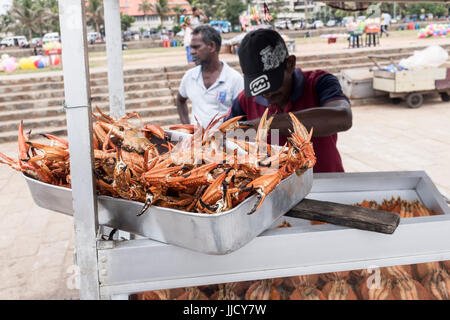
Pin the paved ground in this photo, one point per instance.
(36, 245)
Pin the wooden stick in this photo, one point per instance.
(346, 215)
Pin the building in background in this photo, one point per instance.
(292, 10)
(5, 5)
(151, 19)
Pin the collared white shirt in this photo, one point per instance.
(217, 99)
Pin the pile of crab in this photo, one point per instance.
(195, 174)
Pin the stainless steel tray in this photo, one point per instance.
(352, 188)
(212, 234)
(298, 250)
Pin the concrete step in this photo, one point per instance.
(364, 52)
(131, 79)
(175, 75)
(129, 87)
(31, 104)
(146, 108)
(32, 95)
(135, 94)
(99, 87)
(58, 127)
(323, 63)
(37, 86)
(12, 107)
(11, 80)
(177, 68)
(337, 69)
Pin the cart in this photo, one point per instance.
(112, 268)
(411, 85)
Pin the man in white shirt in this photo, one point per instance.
(198, 17)
(385, 22)
(212, 85)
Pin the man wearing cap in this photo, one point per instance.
(212, 85)
(271, 80)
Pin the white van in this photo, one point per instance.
(93, 37)
(16, 41)
(51, 37)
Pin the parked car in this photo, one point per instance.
(51, 37)
(331, 23)
(129, 35)
(15, 41)
(315, 25)
(284, 25)
(221, 26)
(36, 42)
(94, 37)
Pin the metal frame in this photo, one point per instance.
(114, 269)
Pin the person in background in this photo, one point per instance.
(198, 17)
(272, 80)
(212, 84)
(187, 39)
(182, 15)
(385, 23)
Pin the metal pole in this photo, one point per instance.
(78, 112)
(114, 56)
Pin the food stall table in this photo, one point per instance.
(112, 268)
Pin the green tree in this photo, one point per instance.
(50, 16)
(176, 12)
(436, 9)
(95, 14)
(28, 16)
(233, 8)
(210, 7)
(126, 21)
(145, 7)
(161, 8)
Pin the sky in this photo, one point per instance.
(4, 3)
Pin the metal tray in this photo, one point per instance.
(355, 187)
(298, 250)
(212, 234)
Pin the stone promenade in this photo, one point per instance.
(37, 245)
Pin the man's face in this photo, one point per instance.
(200, 51)
(281, 96)
(195, 12)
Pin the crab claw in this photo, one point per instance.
(300, 129)
(155, 130)
(231, 124)
(188, 128)
(51, 153)
(264, 185)
(23, 147)
(63, 142)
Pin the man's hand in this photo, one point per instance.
(182, 109)
(250, 124)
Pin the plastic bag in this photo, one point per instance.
(432, 56)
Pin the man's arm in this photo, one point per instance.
(333, 117)
(182, 108)
(205, 17)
